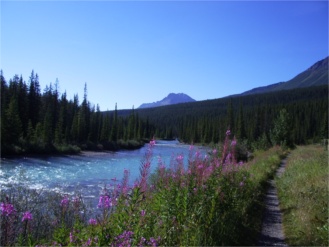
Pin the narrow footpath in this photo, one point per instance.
(272, 230)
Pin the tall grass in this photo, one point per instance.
(214, 200)
(303, 195)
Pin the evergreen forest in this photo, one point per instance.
(251, 118)
(36, 121)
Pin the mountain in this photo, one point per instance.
(171, 99)
(316, 75)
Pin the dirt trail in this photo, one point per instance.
(272, 230)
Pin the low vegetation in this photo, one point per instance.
(303, 195)
(214, 200)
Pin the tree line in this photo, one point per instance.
(251, 118)
(46, 122)
(35, 122)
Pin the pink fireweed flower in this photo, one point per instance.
(153, 241)
(27, 216)
(142, 241)
(136, 184)
(233, 143)
(88, 243)
(152, 142)
(65, 201)
(92, 221)
(228, 132)
(214, 151)
(124, 239)
(71, 237)
(125, 190)
(179, 158)
(7, 209)
(124, 183)
(228, 158)
(105, 202)
(143, 213)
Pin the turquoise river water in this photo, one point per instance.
(88, 172)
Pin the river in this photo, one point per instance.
(88, 172)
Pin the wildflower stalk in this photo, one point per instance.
(145, 166)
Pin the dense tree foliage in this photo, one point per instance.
(251, 118)
(32, 121)
(36, 122)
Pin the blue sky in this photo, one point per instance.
(136, 52)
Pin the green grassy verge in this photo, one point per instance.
(303, 196)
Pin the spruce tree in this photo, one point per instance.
(114, 131)
(230, 116)
(241, 132)
(34, 99)
(13, 125)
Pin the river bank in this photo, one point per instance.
(41, 149)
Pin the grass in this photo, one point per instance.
(213, 201)
(303, 195)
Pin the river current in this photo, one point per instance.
(88, 172)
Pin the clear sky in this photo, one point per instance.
(134, 52)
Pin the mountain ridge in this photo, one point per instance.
(315, 75)
(171, 99)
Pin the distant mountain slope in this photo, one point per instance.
(316, 75)
(171, 99)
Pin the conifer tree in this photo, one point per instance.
(23, 104)
(13, 125)
(61, 125)
(98, 122)
(105, 132)
(84, 118)
(4, 91)
(324, 127)
(75, 128)
(230, 116)
(47, 127)
(280, 132)
(30, 133)
(241, 132)
(92, 135)
(114, 131)
(131, 125)
(34, 99)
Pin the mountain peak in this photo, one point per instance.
(172, 98)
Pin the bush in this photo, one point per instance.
(45, 211)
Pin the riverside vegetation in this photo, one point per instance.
(215, 200)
